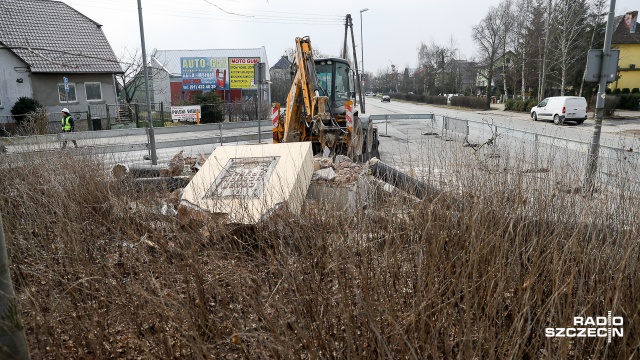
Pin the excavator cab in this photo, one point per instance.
(334, 78)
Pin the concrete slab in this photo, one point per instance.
(247, 182)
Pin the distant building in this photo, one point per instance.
(465, 75)
(281, 80)
(626, 37)
(46, 41)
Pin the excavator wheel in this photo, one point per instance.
(357, 139)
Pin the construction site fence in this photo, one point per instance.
(126, 140)
(135, 115)
(617, 163)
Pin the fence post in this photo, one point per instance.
(220, 128)
(13, 342)
(89, 124)
(162, 112)
(386, 125)
(535, 154)
(106, 107)
(136, 111)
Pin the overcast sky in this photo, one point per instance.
(392, 29)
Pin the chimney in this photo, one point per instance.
(630, 19)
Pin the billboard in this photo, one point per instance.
(241, 72)
(204, 73)
(186, 113)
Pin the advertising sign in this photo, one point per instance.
(186, 113)
(204, 73)
(241, 72)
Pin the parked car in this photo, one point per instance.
(386, 98)
(561, 109)
(370, 94)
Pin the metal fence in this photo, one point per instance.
(135, 115)
(127, 140)
(537, 150)
(615, 163)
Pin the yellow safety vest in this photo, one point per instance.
(66, 124)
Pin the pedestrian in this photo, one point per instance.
(68, 125)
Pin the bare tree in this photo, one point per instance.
(508, 25)
(437, 65)
(596, 22)
(522, 15)
(490, 36)
(131, 80)
(545, 49)
(569, 37)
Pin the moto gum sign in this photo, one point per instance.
(245, 60)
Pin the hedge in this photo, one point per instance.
(472, 102)
(436, 100)
(629, 101)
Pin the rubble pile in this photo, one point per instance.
(338, 172)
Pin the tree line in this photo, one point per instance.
(524, 49)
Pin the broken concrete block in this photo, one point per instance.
(347, 190)
(324, 174)
(246, 182)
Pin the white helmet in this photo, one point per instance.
(65, 110)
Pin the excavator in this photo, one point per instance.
(320, 107)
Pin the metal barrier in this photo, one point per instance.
(619, 161)
(123, 140)
(616, 162)
(388, 117)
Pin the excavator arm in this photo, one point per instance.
(305, 108)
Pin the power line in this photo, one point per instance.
(314, 19)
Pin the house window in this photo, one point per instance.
(62, 94)
(93, 90)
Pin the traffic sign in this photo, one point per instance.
(594, 64)
(66, 81)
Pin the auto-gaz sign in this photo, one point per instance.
(204, 73)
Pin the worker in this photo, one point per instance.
(68, 125)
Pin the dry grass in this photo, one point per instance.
(474, 274)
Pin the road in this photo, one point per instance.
(412, 144)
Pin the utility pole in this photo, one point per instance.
(362, 58)
(592, 164)
(152, 137)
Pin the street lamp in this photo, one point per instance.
(362, 52)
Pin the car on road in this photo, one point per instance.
(370, 94)
(386, 98)
(561, 109)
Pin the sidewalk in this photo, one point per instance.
(624, 122)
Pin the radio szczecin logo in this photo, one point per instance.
(587, 326)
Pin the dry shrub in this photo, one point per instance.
(36, 122)
(475, 273)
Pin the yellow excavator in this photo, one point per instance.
(320, 107)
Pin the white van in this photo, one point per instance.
(561, 109)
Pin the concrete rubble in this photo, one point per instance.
(342, 183)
